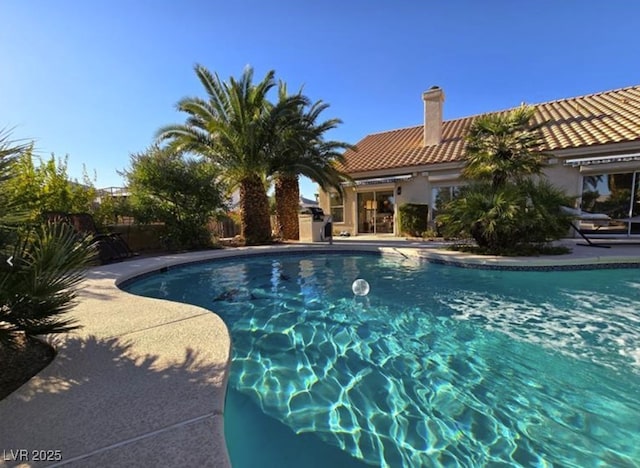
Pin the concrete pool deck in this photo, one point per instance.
(142, 383)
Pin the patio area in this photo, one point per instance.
(142, 383)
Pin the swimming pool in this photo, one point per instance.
(436, 366)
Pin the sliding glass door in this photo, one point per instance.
(618, 196)
(375, 212)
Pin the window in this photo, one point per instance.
(616, 195)
(336, 207)
(440, 196)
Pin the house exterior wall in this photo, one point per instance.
(591, 140)
(419, 187)
(565, 178)
(414, 190)
(348, 207)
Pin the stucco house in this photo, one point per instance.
(593, 140)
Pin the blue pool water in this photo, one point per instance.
(437, 366)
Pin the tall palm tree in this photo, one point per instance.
(235, 127)
(504, 146)
(302, 150)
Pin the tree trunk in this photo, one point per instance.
(288, 205)
(255, 224)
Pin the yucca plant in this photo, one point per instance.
(47, 261)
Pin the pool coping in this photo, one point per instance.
(110, 395)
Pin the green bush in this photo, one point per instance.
(184, 194)
(46, 186)
(414, 219)
(505, 208)
(48, 260)
(509, 218)
(111, 210)
(47, 267)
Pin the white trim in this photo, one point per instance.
(379, 180)
(331, 207)
(602, 160)
(400, 171)
(444, 177)
(604, 148)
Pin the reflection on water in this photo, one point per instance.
(440, 366)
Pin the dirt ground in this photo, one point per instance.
(20, 364)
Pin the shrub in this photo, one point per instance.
(111, 210)
(509, 218)
(47, 262)
(503, 208)
(414, 219)
(184, 194)
(47, 266)
(46, 186)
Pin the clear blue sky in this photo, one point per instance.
(95, 79)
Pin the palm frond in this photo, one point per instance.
(504, 146)
(35, 293)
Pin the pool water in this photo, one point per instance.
(437, 366)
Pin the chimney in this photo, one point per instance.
(433, 99)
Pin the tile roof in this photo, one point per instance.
(594, 119)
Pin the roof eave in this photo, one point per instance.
(407, 170)
(605, 148)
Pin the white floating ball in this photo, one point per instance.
(360, 287)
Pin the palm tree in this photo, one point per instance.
(504, 146)
(235, 127)
(503, 208)
(47, 264)
(302, 150)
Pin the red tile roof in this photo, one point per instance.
(594, 119)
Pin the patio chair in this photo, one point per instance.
(56, 217)
(111, 246)
(105, 253)
(596, 218)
